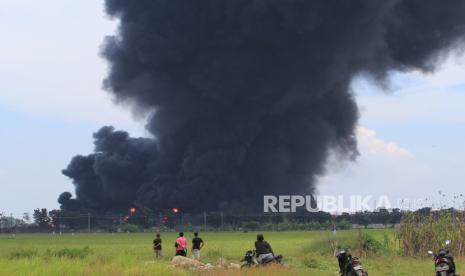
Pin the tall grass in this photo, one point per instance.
(71, 253)
(419, 233)
(23, 253)
(362, 244)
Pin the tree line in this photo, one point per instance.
(59, 220)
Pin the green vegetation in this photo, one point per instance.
(71, 253)
(309, 252)
(422, 232)
(360, 243)
(233, 220)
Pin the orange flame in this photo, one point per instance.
(175, 210)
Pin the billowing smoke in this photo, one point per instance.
(247, 96)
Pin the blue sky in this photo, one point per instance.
(410, 136)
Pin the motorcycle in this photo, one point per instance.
(251, 259)
(349, 266)
(443, 262)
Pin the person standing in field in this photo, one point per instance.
(181, 245)
(197, 244)
(157, 247)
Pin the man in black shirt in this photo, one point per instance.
(263, 249)
(197, 244)
(157, 246)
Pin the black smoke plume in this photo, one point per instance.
(247, 96)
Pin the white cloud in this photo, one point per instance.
(369, 143)
(386, 168)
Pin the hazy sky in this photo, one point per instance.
(411, 137)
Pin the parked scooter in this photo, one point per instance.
(443, 261)
(349, 266)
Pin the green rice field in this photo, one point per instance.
(307, 253)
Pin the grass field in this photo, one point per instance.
(131, 254)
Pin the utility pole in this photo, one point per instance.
(88, 222)
(205, 221)
(120, 220)
(221, 221)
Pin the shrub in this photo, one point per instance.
(71, 253)
(251, 225)
(362, 244)
(367, 244)
(131, 228)
(23, 253)
(311, 263)
(420, 232)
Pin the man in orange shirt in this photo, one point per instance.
(181, 245)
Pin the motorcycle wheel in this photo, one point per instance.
(246, 265)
